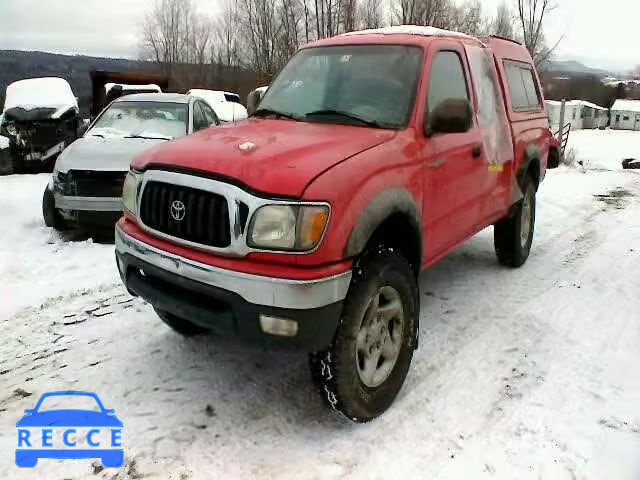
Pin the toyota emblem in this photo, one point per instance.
(178, 211)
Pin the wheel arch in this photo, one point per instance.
(530, 166)
(391, 218)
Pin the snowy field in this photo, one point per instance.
(525, 374)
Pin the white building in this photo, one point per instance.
(625, 115)
(579, 113)
(594, 116)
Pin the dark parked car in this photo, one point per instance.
(41, 118)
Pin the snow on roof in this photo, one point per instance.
(592, 105)
(48, 92)
(627, 106)
(211, 96)
(155, 97)
(126, 87)
(574, 103)
(426, 31)
(4, 142)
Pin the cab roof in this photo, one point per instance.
(155, 97)
(406, 34)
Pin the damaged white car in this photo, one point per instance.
(226, 104)
(85, 190)
(41, 117)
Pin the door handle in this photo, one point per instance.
(476, 150)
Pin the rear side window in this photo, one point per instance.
(522, 86)
(199, 120)
(447, 80)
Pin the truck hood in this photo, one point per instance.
(95, 153)
(278, 157)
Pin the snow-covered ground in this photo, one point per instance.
(527, 374)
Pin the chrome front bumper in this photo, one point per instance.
(91, 204)
(256, 289)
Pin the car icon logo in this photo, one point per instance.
(178, 210)
(69, 433)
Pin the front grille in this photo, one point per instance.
(87, 183)
(206, 214)
(41, 135)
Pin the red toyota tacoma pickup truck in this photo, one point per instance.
(371, 156)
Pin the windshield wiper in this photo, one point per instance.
(339, 113)
(148, 137)
(96, 135)
(268, 111)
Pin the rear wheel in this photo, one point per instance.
(362, 371)
(513, 235)
(180, 325)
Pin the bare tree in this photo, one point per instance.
(466, 17)
(178, 39)
(531, 16)
(225, 49)
(503, 24)
(370, 14)
(422, 12)
(261, 31)
(636, 72)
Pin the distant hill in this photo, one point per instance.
(17, 65)
(571, 68)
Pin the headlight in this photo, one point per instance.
(288, 227)
(11, 129)
(130, 192)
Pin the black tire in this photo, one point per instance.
(52, 217)
(512, 243)
(335, 371)
(180, 325)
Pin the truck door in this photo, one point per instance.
(454, 167)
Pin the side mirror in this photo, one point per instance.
(253, 100)
(450, 116)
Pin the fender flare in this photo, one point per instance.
(531, 154)
(380, 208)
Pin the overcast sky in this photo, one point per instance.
(600, 33)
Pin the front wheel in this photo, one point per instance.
(513, 235)
(6, 162)
(362, 371)
(52, 217)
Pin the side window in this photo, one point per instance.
(517, 92)
(530, 87)
(210, 115)
(199, 120)
(447, 80)
(522, 86)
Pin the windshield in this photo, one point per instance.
(355, 84)
(69, 402)
(142, 119)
